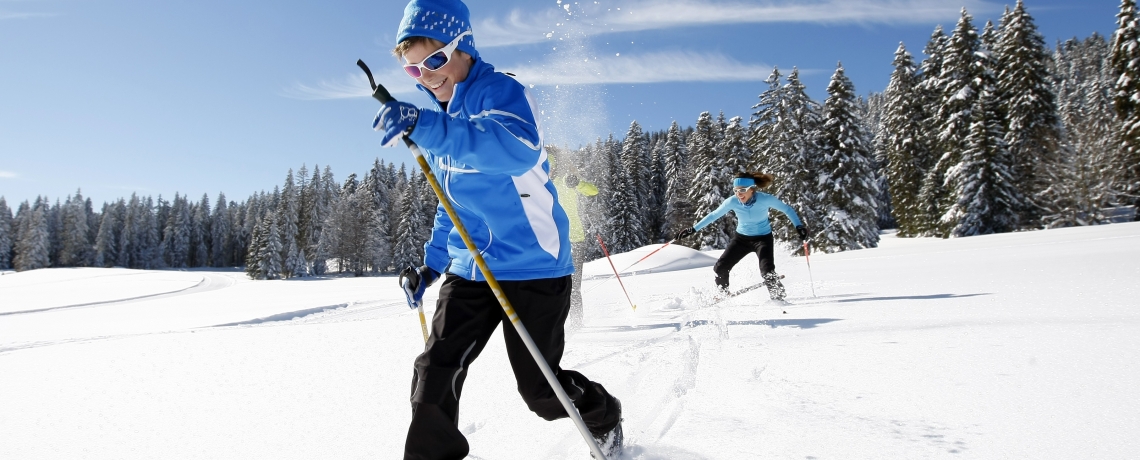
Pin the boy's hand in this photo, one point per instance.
(415, 282)
(396, 119)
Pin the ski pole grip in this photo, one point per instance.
(378, 91)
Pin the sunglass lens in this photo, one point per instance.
(412, 70)
(435, 61)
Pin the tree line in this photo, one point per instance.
(990, 132)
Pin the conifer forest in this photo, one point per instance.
(989, 130)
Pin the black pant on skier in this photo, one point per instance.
(742, 245)
(467, 313)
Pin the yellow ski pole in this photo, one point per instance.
(382, 95)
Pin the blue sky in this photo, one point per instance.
(207, 96)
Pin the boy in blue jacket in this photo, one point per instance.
(484, 146)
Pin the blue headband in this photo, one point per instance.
(743, 182)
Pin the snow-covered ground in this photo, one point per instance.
(1021, 345)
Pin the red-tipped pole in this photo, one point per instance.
(607, 253)
(808, 259)
(647, 255)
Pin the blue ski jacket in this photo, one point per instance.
(751, 217)
(486, 152)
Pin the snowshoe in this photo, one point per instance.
(775, 287)
(610, 443)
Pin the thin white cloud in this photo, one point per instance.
(351, 86)
(520, 27)
(657, 67)
(8, 175)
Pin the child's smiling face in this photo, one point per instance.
(441, 82)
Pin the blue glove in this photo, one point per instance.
(415, 281)
(396, 119)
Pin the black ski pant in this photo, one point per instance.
(466, 314)
(740, 246)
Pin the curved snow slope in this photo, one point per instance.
(672, 258)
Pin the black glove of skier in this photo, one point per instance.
(684, 233)
(803, 233)
(415, 281)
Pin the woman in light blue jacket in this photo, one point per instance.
(753, 231)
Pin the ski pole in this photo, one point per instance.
(808, 260)
(381, 94)
(647, 255)
(611, 261)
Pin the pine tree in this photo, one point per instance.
(287, 214)
(1125, 61)
(793, 157)
(1032, 128)
(627, 221)
(176, 236)
(903, 141)
(1084, 184)
(408, 250)
(678, 212)
(200, 233)
(5, 235)
(958, 81)
(32, 245)
(709, 183)
(75, 249)
(847, 177)
(982, 183)
(378, 244)
(269, 255)
(252, 266)
(221, 234)
(929, 96)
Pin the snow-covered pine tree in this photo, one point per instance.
(982, 182)
(678, 213)
(627, 222)
(149, 240)
(1025, 95)
(847, 185)
(1125, 61)
(408, 248)
(269, 255)
(610, 152)
(763, 123)
(959, 83)
(200, 233)
(288, 212)
(75, 249)
(32, 245)
(5, 235)
(709, 183)
(176, 237)
(106, 241)
(220, 233)
(128, 238)
(325, 199)
(655, 201)
(794, 159)
(1084, 184)
(903, 139)
(929, 97)
(378, 242)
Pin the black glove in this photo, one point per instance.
(684, 233)
(803, 233)
(415, 281)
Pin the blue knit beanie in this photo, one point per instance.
(442, 20)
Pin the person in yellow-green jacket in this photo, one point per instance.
(569, 187)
